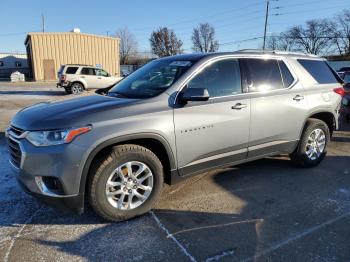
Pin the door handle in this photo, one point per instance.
(99, 77)
(298, 98)
(82, 76)
(239, 106)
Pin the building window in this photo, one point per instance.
(18, 64)
(1, 63)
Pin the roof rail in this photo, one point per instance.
(79, 64)
(276, 52)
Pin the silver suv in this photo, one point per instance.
(173, 118)
(77, 78)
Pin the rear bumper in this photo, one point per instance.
(63, 84)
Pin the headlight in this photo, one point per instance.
(55, 137)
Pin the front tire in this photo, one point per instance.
(126, 183)
(312, 147)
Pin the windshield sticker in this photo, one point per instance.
(180, 63)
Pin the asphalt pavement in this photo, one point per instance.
(266, 210)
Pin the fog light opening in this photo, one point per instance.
(49, 185)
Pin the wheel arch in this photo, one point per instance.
(326, 116)
(79, 82)
(154, 142)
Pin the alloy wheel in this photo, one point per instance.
(77, 89)
(316, 144)
(129, 185)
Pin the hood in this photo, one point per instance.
(69, 113)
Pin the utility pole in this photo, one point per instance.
(43, 22)
(266, 17)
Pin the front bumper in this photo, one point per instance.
(67, 203)
(39, 167)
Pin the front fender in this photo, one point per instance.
(120, 139)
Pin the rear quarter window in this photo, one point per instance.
(319, 70)
(287, 76)
(71, 70)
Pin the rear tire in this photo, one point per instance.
(312, 147)
(77, 88)
(116, 194)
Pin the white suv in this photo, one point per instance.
(77, 78)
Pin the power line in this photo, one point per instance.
(13, 34)
(303, 4)
(309, 11)
(241, 41)
(205, 17)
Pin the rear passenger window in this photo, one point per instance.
(87, 71)
(287, 77)
(71, 70)
(319, 70)
(222, 78)
(262, 74)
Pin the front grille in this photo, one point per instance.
(15, 152)
(16, 131)
(13, 145)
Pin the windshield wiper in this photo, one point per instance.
(116, 93)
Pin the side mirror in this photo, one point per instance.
(195, 94)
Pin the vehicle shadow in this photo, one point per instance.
(257, 207)
(251, 211)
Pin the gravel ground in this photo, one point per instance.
(263, 211)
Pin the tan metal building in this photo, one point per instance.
(48, 51)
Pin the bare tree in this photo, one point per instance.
(128, 45)
(341, 32)
(314, 38)
(282, 42)
(203, 39)
(272, 42)
(165, 43)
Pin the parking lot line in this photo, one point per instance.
(295, 237)
(183, 249)
(8, 252)
(222, 255)
(218, 225)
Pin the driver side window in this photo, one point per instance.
(221, 78)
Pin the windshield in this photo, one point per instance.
(152, 79)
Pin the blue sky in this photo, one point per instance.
(234, 20)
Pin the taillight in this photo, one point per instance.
(63, 77)
(340, 91)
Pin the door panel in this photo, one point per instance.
(211, 132)
(89, 75)
(214, 132)
(278, 106)
(276, 120)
